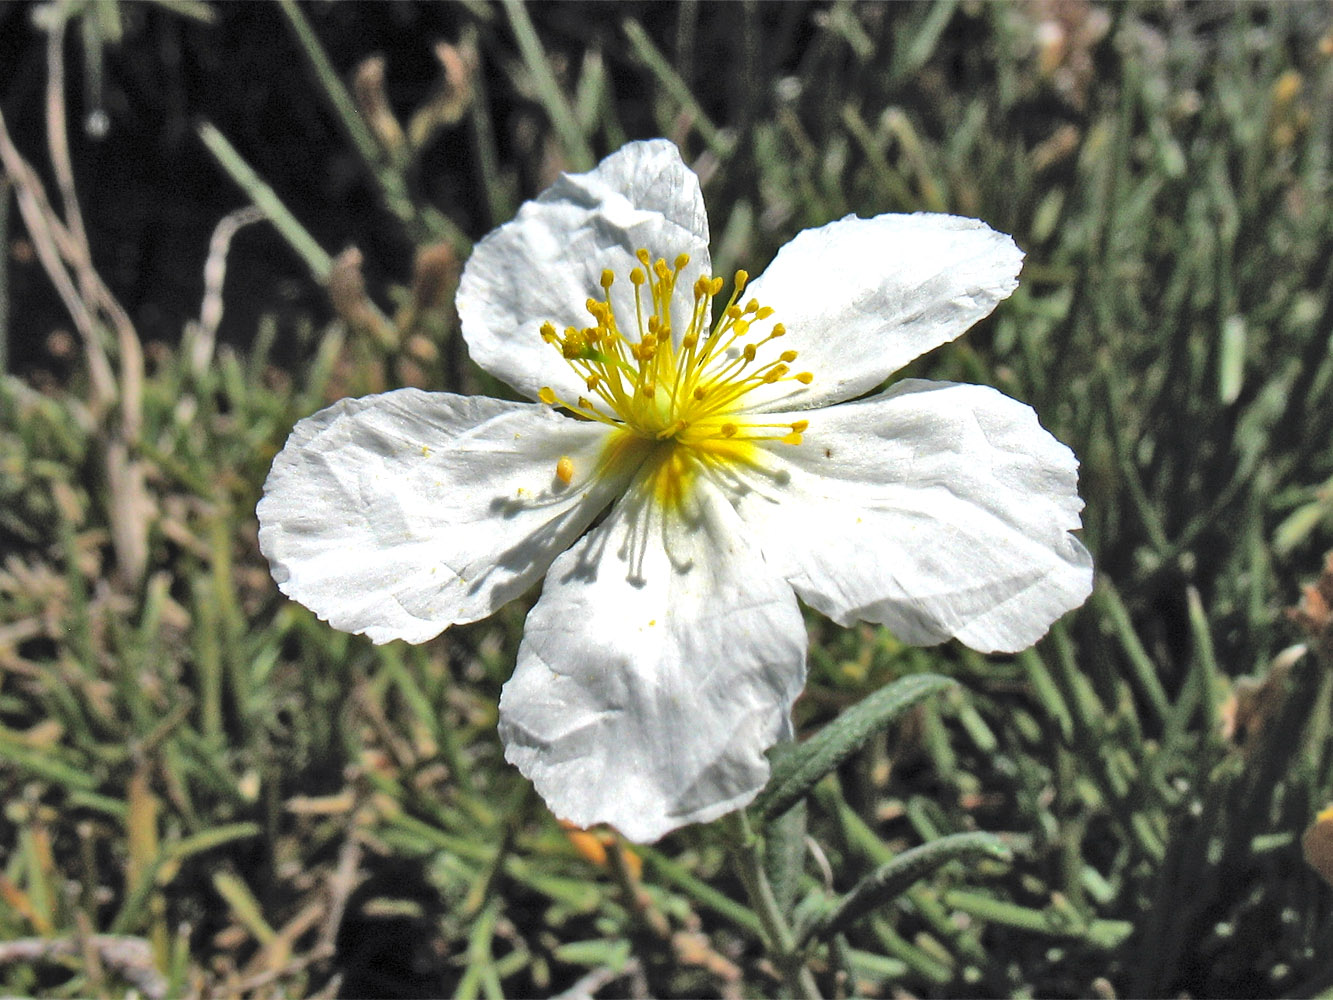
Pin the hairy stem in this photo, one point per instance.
(779, 939)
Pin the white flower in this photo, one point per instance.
(667, 647)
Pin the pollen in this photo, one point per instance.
(564, 469)
(677, 372)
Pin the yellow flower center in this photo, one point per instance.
(680, 399)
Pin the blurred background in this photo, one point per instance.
(218, 218)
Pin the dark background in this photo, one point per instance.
(151, 193)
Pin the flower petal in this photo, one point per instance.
(546, 263)
(860, 298)
(936, 509)
(401, 514)
(660, 663)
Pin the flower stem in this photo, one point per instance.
(780, 940)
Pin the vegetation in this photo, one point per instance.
(209, 792)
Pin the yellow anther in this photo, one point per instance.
(575, 345)
(704, 370)
(644, 349)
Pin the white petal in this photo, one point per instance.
(401, 514)
(936, 509)
(660, 663)
(860, 298)
(546, 263)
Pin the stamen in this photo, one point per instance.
(688, 387)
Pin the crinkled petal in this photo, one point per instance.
(934, 508)
(401, 514)
(860, 298)
(546, 263)
(660, 663)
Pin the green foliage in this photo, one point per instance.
(208, 791)
(796, 770)
(891, 879)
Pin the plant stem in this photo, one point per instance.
(548, 88)
(780, 941)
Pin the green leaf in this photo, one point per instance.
(890, 880)
(784, 855)
(596, 954)
(1053, 921)
(798, 770)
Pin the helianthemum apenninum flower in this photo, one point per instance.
(698, 454)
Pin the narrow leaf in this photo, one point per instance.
(798, 771)
(889, 881)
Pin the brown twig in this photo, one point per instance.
(52, 241)
(130, 956)
(203, 334)
(79, 254)
(346, 877)
(62, 247)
